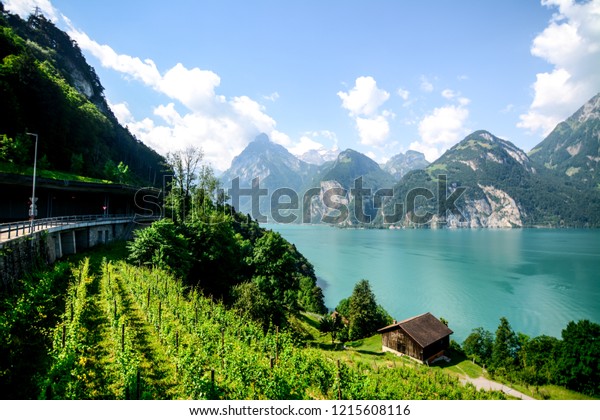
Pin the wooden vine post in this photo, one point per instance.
(339, 378)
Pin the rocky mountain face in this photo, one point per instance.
(402, 163)
(572, 149)
(338, 184)
(490, 183)
(273, 165)
(320, 190)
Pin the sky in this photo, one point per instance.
(378, 76)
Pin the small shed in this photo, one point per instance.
(422, 337)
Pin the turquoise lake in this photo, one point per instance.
(539, 279)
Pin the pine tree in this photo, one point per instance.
(504, 350)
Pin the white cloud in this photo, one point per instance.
(122, 112)
(371, 155)
(403, 93)
(304, 145)
(571, 44)
(272, 97)
(221, 126)
(373, 131)
(252, 112)
(431, 152)
(426, 85)
(24, 8)
(441, 129)
(448, 93)
(195, 88)
(363, 102)
(280, 138)
(364, 98)
(444, 125)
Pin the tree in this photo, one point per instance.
(184, 166)
(249, 300)
(162, 244)
(579, 360)
(275, 274)
(215, 249)
(478, 345)
(538, 359)
(506, 346)
(331, 324)
(365, 316)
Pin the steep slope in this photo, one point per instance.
(351, 165)
(336, 202)
(274, 166)
(502, 188)
(572, 149)
(47, 87)
(402, 163)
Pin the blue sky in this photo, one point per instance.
(381, 77)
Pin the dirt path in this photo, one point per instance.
(486, 384)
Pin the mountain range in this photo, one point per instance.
(482, 181)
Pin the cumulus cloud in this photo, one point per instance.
(441, 129)
(364, 98)
(363, 102)
(373, 131)
(571, 44)
(221, 126)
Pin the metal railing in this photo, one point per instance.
(15, 229)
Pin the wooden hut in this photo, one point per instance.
(422, 337)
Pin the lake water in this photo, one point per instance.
(539, 279)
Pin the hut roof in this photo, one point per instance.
(425, 329)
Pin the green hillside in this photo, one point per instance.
(47, 88)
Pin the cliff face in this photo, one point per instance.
(501, 187)
(572, 149)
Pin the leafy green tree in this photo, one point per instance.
(249, 300)
(506, 346)
(215, 248)
(579, 360)
(365, 316)
(77, 163)
(162, 244)
(538, 360)
(275, 273)
(310, 296)
(343, 308)
(331, 324)
(478, 345)
(184, 166)
(16, 151)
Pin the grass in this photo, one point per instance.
(9, 168)
(545, 392)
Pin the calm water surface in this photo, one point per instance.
(539, 279)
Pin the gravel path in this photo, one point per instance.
(483, 383)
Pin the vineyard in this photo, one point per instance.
(129, 332)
